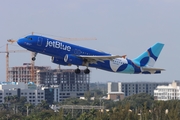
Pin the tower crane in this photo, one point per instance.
(7, 60)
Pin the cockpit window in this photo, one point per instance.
(29, 38)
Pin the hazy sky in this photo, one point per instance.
(120, 26)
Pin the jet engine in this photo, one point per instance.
(73, 60)
(59, 61)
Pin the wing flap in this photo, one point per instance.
(95, 59)
(101, 57)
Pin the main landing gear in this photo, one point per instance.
(34, 56)
(77, 71)
(86, 71)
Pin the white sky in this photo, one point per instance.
(120, 26)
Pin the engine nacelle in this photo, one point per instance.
(73, 60)
(59, 61)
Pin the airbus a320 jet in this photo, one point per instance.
(67, 54)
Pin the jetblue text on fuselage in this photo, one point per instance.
(59, 45)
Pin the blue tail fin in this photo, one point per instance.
(149, 57)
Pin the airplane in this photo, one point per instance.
(67, 54)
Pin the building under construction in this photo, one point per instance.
(61, 76)
(66, 79)
(65, 83)
(24, 73)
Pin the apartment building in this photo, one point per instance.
(131, 88)
(168, 92)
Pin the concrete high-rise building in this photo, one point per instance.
(62, 76)
(65, 82)
(131, 88)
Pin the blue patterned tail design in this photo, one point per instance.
(149, 57)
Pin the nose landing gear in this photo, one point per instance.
(34, 56)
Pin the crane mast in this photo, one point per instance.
(7, 61)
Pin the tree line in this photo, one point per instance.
(136, 107)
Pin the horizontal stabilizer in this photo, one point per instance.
(152, 69)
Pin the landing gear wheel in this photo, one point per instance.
(77, 71)
(33, 58)
(87, 71)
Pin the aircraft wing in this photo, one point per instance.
(152, 69)
(95, 59)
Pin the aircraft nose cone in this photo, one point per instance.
(19, 42)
